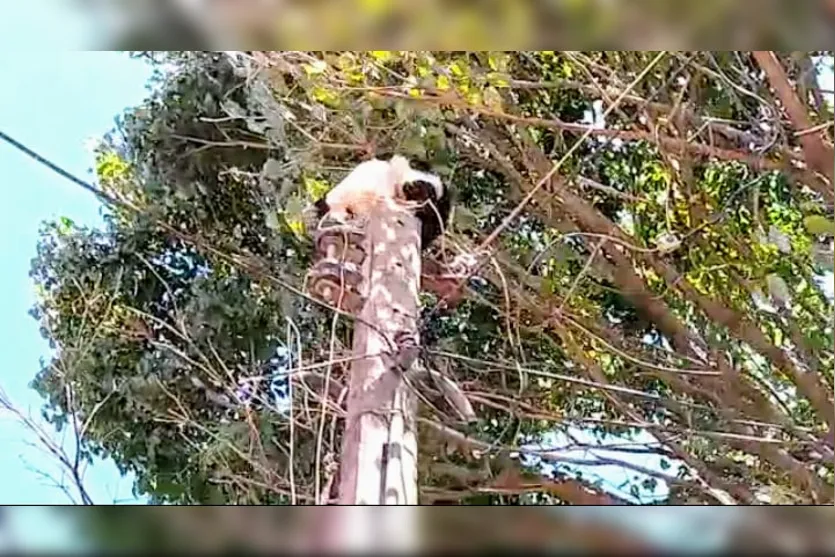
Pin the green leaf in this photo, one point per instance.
(65, 225)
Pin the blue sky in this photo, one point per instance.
(53, 102)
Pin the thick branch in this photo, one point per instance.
(818, 155)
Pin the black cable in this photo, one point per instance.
(57, 169)
(249, 263)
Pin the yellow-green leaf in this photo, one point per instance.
(498, 61)
(315, 189)
(817, 225)
(493, 99)
(498, 79)
(382, 55)
(567, 70)
(474, 97)
(296, 226)
(325, 96)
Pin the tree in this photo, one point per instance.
(663, 280)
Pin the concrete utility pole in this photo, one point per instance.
(379, 450)
(378, 465)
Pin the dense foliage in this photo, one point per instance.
(660, 290)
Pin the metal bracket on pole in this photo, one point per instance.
(336, 276)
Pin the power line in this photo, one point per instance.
(57, 169)
(251, 264)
